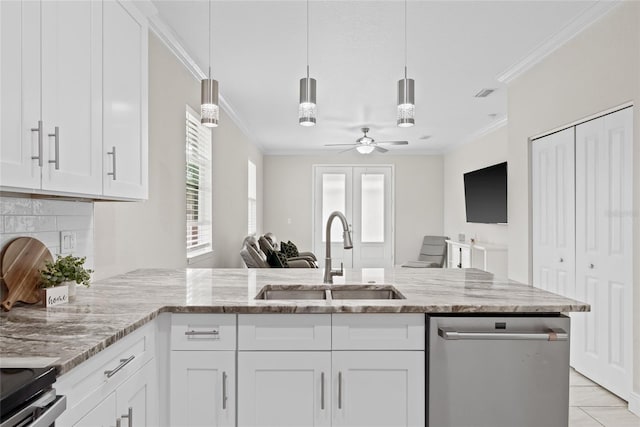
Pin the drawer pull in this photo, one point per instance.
(214, 332)
(123, 363)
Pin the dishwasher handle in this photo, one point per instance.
(556, 334)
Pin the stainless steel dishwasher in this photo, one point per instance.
(498, 371)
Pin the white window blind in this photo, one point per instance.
(198, 190)
(253, 198)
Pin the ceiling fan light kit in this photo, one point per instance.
(307, 110)
(365, 149)
(209, 106)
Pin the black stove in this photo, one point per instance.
(27, 397)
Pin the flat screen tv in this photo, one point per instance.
(485, 194)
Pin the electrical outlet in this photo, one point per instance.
(67, 242)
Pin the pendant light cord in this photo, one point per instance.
(405, 39)
(307, 39)
(209, 39)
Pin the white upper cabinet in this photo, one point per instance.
(71, 96)
(73, 85)
(19, 94)
(125, 87)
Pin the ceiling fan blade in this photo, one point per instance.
(336, 145)
(380, 149)
(393, 142)
(348, 149)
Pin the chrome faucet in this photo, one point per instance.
(348, 244)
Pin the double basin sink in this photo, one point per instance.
(329, 292)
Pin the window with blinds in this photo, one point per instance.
(198, 190)
(253, 198)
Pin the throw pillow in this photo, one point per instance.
(289, 249)
(277, 260)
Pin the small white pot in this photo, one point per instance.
(72, 289)
(55, 296)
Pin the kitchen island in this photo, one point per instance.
(154, 328)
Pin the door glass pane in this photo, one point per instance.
(372, 208)
(333, 199)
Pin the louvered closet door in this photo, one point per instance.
(602, 339)
(554, 213)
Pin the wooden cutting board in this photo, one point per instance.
(22, 259)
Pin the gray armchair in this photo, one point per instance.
(433, 253)
(254, 257)
(269, 241)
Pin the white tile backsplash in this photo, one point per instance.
(45, 219)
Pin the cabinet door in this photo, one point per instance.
(202, 388)
(103, 415)
(136, 398)
(553, 220)
(378, 388)
(124, 152)
(602, 339)
(284, 388)
(71, 96)
(19, 93)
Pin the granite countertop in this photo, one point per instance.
(115, 307)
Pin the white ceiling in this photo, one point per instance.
(455, 48)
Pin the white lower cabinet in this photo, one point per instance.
(378, 388)
(101, 415)
(202, 391)
(284, 388)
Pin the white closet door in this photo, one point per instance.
(553, 219)
(602, 339)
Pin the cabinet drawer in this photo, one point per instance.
(284, 332)
(105, 371)
(203, 332)
(391, 331)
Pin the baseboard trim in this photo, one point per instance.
(634, 403)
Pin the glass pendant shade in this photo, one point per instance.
(307, 110)
(406, 103)
(365, 149)
(209, 107)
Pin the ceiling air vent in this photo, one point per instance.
(484, 93)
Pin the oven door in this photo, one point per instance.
(41, 412)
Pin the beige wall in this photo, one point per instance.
(484, 151)
(150, 234)
(597, 70)
(288, 182)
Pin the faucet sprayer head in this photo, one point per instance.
(348, 243)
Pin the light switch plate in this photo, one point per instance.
(67, 242)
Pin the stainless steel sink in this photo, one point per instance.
(292, 292)
(336, 292)
(365, 292)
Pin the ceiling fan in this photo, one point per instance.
(365, 144)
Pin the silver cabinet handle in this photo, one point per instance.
(113, 160)
(561, 259)
(339, 390)
(39, 130)
(214, 332)
(549, 335)
(591, 265)
(56, 136)
(128, 416)
(123, 363)
(224, 390)
(322, 391)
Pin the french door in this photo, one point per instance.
(365, 195)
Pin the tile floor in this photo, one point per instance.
(592, 406)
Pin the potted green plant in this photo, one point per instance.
(68, 270)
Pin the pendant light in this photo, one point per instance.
(209, 107)
(406, 99)
(307, 109)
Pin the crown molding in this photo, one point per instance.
(171, 41)
(575, 27)
(491, 127)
